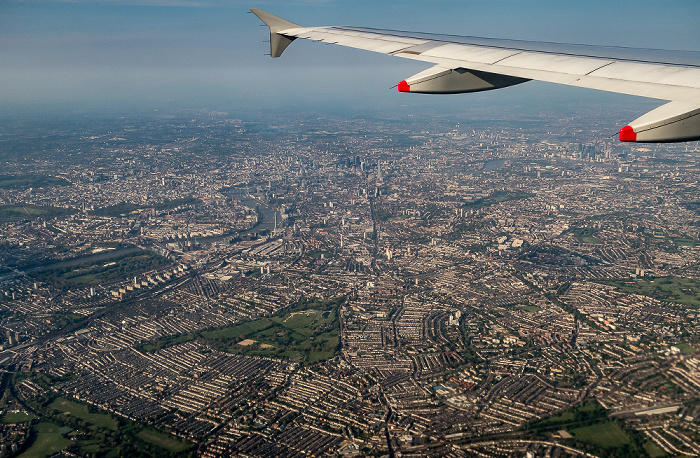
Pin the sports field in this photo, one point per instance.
(606, 435)
(93, 420)
(49, 440)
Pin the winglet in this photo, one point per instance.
(278, 41)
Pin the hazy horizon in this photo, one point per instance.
(103, 55)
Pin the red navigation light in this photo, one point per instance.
(404, 86)
(627, 134)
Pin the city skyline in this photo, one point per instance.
(111, 56)
(195, 283)
(206, 252)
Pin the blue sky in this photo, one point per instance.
(169, 54)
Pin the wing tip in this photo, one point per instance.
(278, 41)
(275, 23)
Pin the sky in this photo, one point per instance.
(122, 55)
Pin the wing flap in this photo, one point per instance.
(470, 54)
(649, 73)
(571, 65)
(643, 89)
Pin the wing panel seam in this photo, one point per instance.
(668, 123)
(507, 57)
(602, 66)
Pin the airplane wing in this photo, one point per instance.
(470, 64)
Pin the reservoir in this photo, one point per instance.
(490, 166)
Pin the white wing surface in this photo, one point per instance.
(470, 64)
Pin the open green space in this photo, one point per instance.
(606, 435)
(653, 450)
(671, 289)
(586, 235)
(61, 320)
(575, 416)
(97, 271)
(685, 348)
(683, 241)
(166, 342)
(531, 308)
(17, 417)
(307, 332)
(48, 441)
(163, 440)
(679, 241)
(66, 407)
(240, 331)
(125, 208)
(93, 446)
(22, 211)
(309, 335)
(31, 181)
(87, 431)
(497, 198)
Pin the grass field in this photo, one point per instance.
(95, 272)
(586, 235)
(310, 335)
(497, 198)
(95, 420)
(677, 241)
(167, 342)
(30, 181)
(48, 441)
(606, 435)
(239, 331)
(91, 446)
(17, 417)
(582, 413)
(685, 348)
(673, 289)
(21, 212)
(653, 450)
(61, 320)
(531, 308)
(681, 241)
(163, 440)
